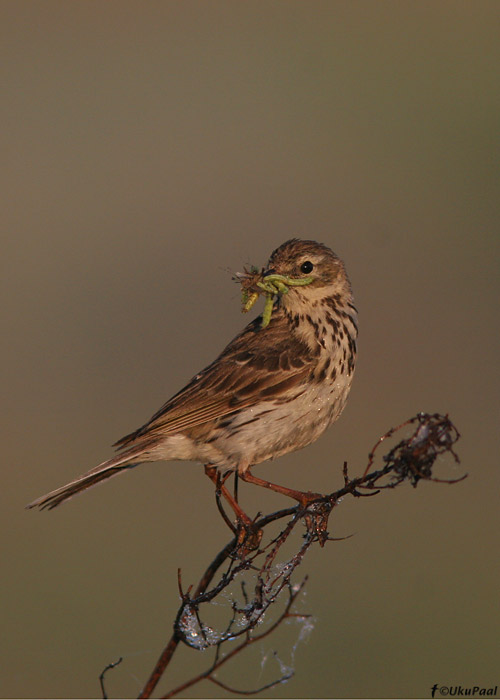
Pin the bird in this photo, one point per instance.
(274, 389)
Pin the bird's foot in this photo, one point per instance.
(316, 514)
(248, 539)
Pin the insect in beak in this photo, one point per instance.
(268, 283)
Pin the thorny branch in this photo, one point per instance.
(251, 560)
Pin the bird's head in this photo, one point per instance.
(319, 273)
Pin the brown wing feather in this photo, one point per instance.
(250, 369)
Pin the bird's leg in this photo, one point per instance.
(212, 474)
(248, 536)
(220, 507)
(303, 497)
(316, 519)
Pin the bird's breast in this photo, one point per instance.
(276, 427)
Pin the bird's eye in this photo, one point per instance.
(306, 267)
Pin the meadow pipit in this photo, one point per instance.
(274, 389)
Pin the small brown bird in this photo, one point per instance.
(274, 389)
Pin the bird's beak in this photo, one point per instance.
(271, 271)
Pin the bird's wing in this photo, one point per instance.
(258, 365)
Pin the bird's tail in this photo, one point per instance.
(128, 459)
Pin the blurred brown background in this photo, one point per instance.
(147, 148)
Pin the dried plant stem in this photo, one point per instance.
(247, 553)
(218, 662)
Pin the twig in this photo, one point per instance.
(412, 459)
(218, 662)
(101, 677)
(236, 691)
